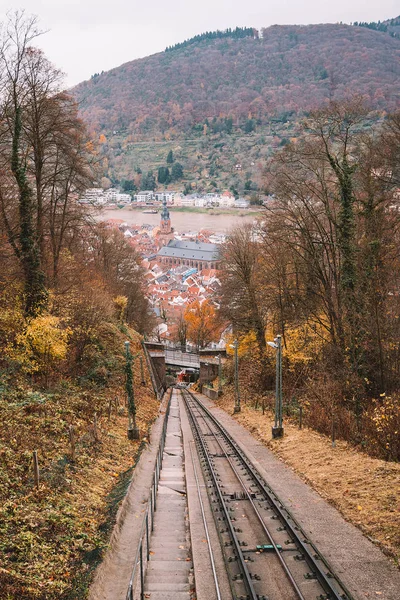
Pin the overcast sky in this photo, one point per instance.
(89, 36)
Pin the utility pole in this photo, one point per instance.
(237, 393)
(133, 431)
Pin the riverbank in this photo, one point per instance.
(183, 218)
(240, 212)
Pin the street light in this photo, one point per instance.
(237, 395)
(143, 381)
(277, 430)
(219, 375)
(133, 431)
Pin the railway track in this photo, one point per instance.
(266, 553)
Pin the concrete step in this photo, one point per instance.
(169, 566)
(170, 500)
(169, 554)
(172, 543)
(166, 587)
(168, 596)
(161, 529)
(167, 577)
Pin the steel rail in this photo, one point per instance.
(257, 512)
(243, 566)
(214, 571)
(310, 552)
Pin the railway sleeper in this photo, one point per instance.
(310, 575)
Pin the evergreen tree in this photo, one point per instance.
(249, 126)
(176, 171)
(128, 185)
(163, 175)
(170, 157)
(149, 181)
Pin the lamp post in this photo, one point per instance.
(133, 431)
(277, 430)
(219, 375)
(143, 381)
(237, 394)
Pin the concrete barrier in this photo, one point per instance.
(210, 392)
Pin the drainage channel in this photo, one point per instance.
(169, 573)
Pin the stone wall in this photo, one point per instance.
(208, 371)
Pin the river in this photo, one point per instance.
(181, 221)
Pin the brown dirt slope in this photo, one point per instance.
(365, 490)
(52, 538)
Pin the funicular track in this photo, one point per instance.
(267, 555)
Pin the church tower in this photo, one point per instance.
(166, 232)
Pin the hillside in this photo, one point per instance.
(236, 88)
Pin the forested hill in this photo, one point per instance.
(286, 70)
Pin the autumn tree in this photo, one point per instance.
(243, 299)
(117, 262)
(17, 192)
(182, 330)
(334, 218)
(201, 322)
(44, 160)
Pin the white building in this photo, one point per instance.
(123, 199)
(187, 201)
(227, 200)
(241, 203)
(178, 200)
(144, 196)
(167, 195)
(94, 196)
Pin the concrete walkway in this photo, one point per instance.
(169, 574)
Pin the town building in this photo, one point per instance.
(173, 252)
(191, 254)
(144, 196)
(162, 195)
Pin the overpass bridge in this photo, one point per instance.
(161, 357)
(182, 359)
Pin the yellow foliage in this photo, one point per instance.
(303, 343)
(42, 343)
(102, 139)
(11, 320)
(120, 303)
(247, 345)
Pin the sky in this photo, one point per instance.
(89, 36)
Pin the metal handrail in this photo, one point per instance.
(148, 519)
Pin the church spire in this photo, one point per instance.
(165, 226)
(165, 211)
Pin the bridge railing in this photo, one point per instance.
(184, 357)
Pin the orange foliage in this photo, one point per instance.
(201, 322)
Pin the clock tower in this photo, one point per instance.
(166, 231)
